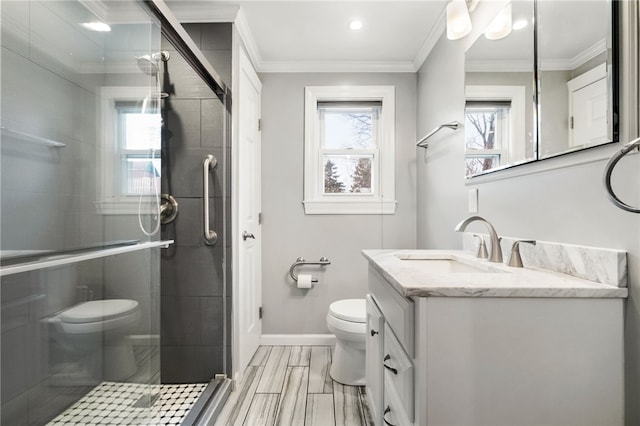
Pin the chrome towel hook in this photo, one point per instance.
(608, 170)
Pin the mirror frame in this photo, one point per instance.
(613, 92)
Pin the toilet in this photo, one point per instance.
(347, 320)
(88, 327)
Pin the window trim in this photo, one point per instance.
(380, 202)
(515, 145)
(109, 200)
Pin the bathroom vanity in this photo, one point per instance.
(454, 340)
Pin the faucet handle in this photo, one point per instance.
(515, 260)
(482, 252)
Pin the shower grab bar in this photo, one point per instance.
(209, 163)
(454, 125)
(32, 138)
(300, 261)
(608, 170)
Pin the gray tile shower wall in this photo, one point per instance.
(192, 273)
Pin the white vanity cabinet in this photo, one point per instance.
(493, 360)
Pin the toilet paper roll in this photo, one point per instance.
(304, 281)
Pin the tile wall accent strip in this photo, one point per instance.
(275, 370)
(263, 410)
(291, 409)
(319, 410)
(261, 355)
(319, 378)
(346, 402)
(606, 266)
(300, 356)
(239, 402)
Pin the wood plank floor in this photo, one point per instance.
(290, 385)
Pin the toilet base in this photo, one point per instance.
(348, 365)
(119, 361)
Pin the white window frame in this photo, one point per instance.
(382, 199)
(110, 199)
(514, 146)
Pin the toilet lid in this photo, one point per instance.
(98, 310)
(354, 310)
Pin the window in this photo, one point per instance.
(349, 147)
(138, 139)
(131, 149)
(494, 127)
(486, 134)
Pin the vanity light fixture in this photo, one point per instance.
(501, 25)
(355, 25)
(520, 24)
(97, 26)
(458, 19)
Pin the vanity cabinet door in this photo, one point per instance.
(374, 367)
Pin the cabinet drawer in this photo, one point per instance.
(394, 413)
(398, 372)
(397, 310)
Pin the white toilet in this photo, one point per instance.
(90, 326)
(347, 320)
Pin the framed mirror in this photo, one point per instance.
(500, 127)
(576, 92)
(529, 99)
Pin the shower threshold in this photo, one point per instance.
(132, 403)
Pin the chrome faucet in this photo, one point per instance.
(496, 251)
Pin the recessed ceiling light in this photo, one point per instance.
(520, 24)
(355, 25)
(97, 26)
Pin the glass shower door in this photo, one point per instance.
(79, 258)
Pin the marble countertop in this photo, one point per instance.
(413, 279)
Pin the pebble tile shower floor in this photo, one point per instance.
(113, 403)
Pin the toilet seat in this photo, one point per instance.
(98, 310)
(352, 310)
(99, 315)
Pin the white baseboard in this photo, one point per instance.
(298, 340)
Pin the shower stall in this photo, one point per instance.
(114, 214)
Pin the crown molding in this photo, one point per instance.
(434, 35)
(251, 47)
(335, 66)
(200, 12)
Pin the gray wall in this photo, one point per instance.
(288, 233)
(567, 204)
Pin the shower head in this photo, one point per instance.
(150, 64)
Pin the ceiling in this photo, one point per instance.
(314, 35)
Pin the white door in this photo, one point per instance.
(588, 108)
(249, 292)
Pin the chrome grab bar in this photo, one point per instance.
(300, 261)
(210, 163)
(608, 170)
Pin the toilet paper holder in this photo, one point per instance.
(300, 261)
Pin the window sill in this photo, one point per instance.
(376, 206)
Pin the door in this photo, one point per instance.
(588, 108)
(249, 291)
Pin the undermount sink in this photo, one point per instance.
(449, 265)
